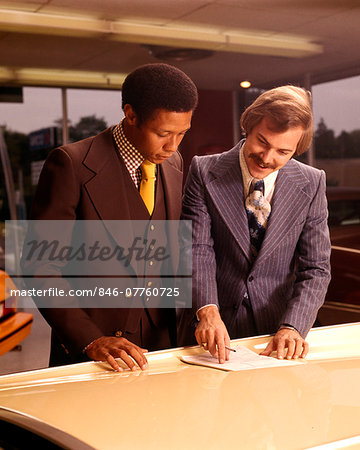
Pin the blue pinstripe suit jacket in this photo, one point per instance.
(287, 282)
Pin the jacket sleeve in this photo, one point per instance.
(200, 252)
(56, 198)
(195, 208)
(313, 265)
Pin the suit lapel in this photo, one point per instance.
(107, 189)
(227, 192)
(288, 196)
(172, 182)
(111, 189)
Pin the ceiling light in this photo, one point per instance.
(245, 84)
(61, 78)
(177, 35)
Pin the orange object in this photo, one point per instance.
(14, 326)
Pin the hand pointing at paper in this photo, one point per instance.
(212, 334)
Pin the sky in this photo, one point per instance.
(42, 106)
(338, 103)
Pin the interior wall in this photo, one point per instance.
(212, 127)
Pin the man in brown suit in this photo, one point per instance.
(99, 179)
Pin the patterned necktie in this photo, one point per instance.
(258, 210)
(147, 185)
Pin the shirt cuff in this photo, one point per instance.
(84, 350)
(287, 326)
(210, 304)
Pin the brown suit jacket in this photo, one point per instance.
(87, 180)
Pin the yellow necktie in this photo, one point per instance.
(147, 185)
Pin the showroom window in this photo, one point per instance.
(32, 126)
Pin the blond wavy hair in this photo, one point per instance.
(286, 107)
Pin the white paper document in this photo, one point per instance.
(242, 359)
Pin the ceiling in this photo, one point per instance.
(95, 43)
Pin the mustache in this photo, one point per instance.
(259, 161)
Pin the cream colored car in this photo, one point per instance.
(313, 403)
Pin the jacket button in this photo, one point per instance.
(118, 333)
(251, 278)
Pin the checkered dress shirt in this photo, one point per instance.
(131, 156)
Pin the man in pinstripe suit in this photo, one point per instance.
(238, 292)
